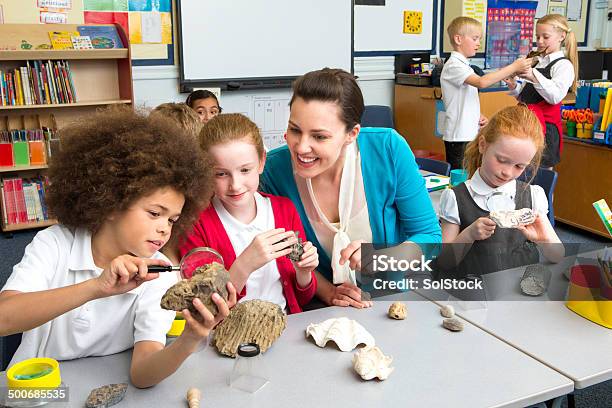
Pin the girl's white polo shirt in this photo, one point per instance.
(58, 257)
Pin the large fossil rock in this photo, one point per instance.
(253, 321)
(370, 362)
(513, 218)
(106, 396)
(205, 281)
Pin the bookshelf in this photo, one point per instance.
(100, 77)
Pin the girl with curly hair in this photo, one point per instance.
(119, 186)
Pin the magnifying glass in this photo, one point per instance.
(499, 201)
(194, 259)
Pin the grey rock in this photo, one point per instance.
(453, 324)
(297, 250)
(535, 280)
(106, 396)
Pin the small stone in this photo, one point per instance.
(453, 324)
(365, 296)
(205, 281)
(106, 396)
(447, 311)
(297, 250)
(397, 311)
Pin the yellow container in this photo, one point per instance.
(178, 325)
(588, 130)
(597, 311)
(580, 131)
(40, 372)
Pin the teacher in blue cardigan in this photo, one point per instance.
(350, 185)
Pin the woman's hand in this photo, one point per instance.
(482, 228)
(528, 74)
(307, 263)
(125, 273)
(348, 294)
(352, 254)
(266, 247)
(198, 328)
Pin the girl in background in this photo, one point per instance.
(548, 83)
(205, 103)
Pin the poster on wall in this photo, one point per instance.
(148, 24)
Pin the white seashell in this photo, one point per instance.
(370, 362)
(346, 333)
(447, 311)
(513, 218)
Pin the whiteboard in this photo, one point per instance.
(229, 40)
(380, 28)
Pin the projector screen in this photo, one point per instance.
(261, 43)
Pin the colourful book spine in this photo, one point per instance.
(72, 89)
(10, 201)
(2, 100)
(4, 214)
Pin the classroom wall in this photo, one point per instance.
(155, 85)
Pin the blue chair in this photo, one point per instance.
(434, 166)
(8, 347)
(547, 179)
(377, 116)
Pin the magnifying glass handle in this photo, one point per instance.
(161, 268)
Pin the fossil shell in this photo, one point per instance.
(297, 249)
(346, 333)
(205, 281)
(447, 311)
(253, 321)
(106, 396)
(453, 324)
(370, 362)
(397, 311)
(513, 218)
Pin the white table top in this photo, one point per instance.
(433, 367)
(544, 329)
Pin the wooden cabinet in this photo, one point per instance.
(415, 109)
(101, 77)
(584, 177)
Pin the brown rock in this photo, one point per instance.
(397, 311)
(106, 396)
(205, 281)
(253, 321)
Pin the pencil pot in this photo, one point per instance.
(571, 128)
(6, 155)
(37, 152)
(21, 153)
(580, 131)
(588, 130)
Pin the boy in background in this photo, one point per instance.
(460, 86)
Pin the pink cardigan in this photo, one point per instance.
(209, 231)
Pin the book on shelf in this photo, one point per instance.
(37, 82)
(61, 40)
(81, 42)
(102, 36)
(23, 200)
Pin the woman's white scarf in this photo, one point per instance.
(342, 273)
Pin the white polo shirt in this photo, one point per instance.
(460, 100)
(264, 283)
(58, 257)
(480, 192)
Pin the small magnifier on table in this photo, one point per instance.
(194, 259)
